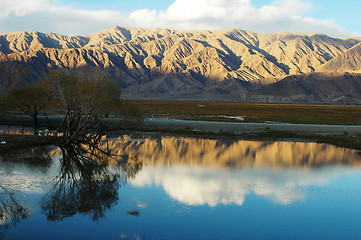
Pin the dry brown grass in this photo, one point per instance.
(253, 112)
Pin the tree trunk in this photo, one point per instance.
(35, 123)
(22, 121)
(48, 120)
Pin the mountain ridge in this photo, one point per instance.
(165, 63)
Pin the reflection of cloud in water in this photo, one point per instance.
(23, 183)
(125, 236)
(196, 171)
(21, 178)
(197, 168)
(199, 186)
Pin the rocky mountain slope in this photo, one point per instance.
(349, 61)
(163, 63)
(333, 88)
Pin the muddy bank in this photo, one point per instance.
(236, 128)
(241, 128)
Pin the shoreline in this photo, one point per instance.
(339, 136)
(247, 128)
(233, 128)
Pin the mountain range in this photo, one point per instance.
(232, 65)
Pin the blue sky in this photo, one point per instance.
(83, 17)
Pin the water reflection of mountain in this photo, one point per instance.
(165, 151)
(195, 172)
(212, 172)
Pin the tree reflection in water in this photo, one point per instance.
(88, 181)
(11, 210)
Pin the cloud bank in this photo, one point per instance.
(280, 15)
(44, 16)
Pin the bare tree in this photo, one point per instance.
(29, 100)
(107, 91)
(84, 103)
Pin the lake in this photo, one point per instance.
(185, 188)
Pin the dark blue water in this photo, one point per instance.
(200, 199)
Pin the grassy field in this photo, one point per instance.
(250, 112)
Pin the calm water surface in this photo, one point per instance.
(188, 189)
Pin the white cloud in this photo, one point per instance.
(218, 13)
(20, 7)
(280, 15)
(43, 15)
